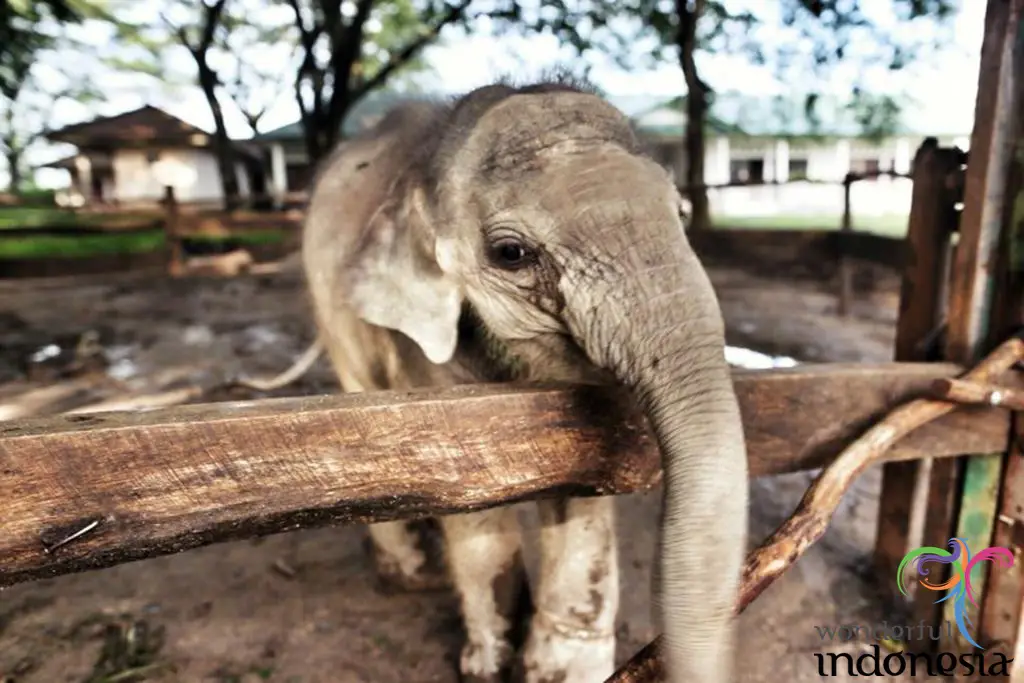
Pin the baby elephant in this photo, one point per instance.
(520, 234)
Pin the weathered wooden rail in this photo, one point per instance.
(125, 486)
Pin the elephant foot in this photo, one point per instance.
(411, 569)
(391, 581)
(551, 656)
(486, 663)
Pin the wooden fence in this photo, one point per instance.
(146, 484)
(87, 491)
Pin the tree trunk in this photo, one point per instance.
(13, 149)
(14, 169)
(340, 105)
(696, 113)
(221, 141)
(321, 121)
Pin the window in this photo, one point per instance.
(746, 171)
(797, 169)
(865, 165)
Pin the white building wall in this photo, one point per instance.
(207, 184)
(830, 161)
(133, 179)
(827, 161)
(193, 174)
(716, 161)
(868, 197)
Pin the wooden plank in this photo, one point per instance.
(933, 219)
(988, 200)
(151, 483)
(1002, 605)
(1001, 615)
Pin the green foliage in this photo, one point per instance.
(31, 195)
(809, 42)
(351, 48)
(820, 37)
(266, 51)
(28, 27)
(877, 115)
(34, 78)
(636, 34)
(253, 83)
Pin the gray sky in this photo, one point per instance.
(945, 87)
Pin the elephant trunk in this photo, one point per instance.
(669, 350)
(691, 407)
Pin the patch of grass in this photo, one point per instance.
(44, 246)
(893, 225)
(129, 653)
(251, 237)
(53, 217)
(86, 245)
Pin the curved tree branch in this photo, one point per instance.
(810, 520)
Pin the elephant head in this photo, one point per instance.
(535, 208)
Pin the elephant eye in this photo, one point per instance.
(509, 254)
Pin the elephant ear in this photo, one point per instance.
(392, 278)
(369, 244)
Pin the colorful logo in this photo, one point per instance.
(959, 583)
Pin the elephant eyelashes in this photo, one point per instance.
(510, 254)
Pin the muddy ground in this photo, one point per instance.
(303, 606)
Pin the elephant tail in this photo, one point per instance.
(297, 370)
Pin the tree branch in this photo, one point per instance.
(396, 61)
(212, 20)
(346, 48)
(307, 69)
(810, 520)
(307, 37)
(179, 32)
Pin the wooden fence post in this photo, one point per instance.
(933, 219)
(1000, 217)
(172, 219)
(845, 267)
(964, 492)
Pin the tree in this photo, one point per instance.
(194, 28)
(21, 36)
(807, 42)
(227, 44)
(256, 56)
(33, 79)
(198, 39)
(351, 47)
(327, 54)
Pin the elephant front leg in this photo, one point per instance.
(572, 635)
(407, 556)
(485, 563)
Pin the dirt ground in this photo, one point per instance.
(304, 606)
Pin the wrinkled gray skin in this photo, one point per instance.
(520, 234)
